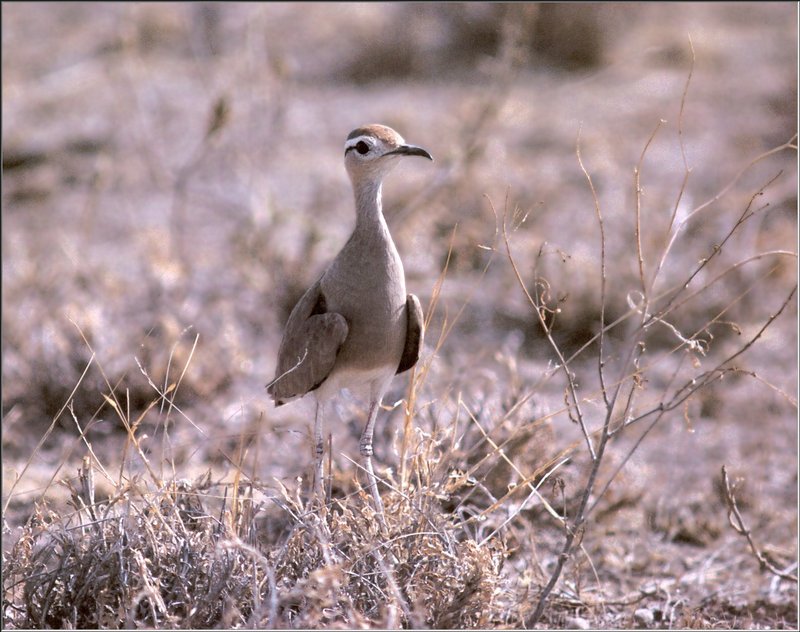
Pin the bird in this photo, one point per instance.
(355, 327)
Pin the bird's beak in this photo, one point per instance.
(410, 150)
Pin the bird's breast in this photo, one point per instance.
(368, 288)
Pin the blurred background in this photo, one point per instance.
(173, 181)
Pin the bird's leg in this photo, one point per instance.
(319, 449)
(365, 446)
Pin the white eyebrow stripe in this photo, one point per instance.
(354, 141)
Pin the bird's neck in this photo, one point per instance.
(369, 209)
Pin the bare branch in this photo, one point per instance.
(686, 169)
(775, 150)
(601, 352)
(637, 172)
(568, 374)
(747, 213)
(740, 528)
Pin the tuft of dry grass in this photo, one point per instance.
(159, 557)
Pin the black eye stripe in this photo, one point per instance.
(362, 147)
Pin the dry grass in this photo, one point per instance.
(611, 321)
(159, 558)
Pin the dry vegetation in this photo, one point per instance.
(602, 431)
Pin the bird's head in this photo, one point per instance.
(371, 152)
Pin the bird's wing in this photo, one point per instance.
(415, 332)
(311, 340)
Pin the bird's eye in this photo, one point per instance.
(362, 148)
